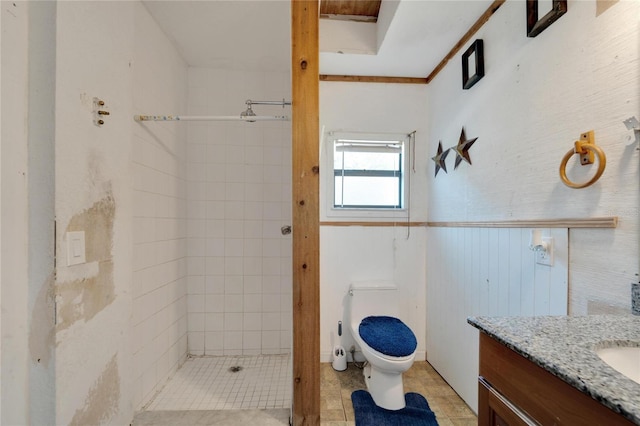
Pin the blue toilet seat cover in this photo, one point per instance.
(388, 335)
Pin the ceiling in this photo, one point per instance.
(412, 35)
(361, 10)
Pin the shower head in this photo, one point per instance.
(248, 113)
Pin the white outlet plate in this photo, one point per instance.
(546, 257)
(75, 248)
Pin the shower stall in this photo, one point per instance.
(239, 198)
(238, 269)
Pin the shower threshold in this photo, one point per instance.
(269, 417)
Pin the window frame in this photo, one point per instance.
(374, 212)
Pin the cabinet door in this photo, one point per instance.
(495, 410)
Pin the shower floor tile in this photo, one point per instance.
(227, 383)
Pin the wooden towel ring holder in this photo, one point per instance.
(588, 150)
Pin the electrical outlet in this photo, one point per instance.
(545, 257)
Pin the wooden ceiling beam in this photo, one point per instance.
(373, 79)
(369, 8)
(465, 38)
(419, 80)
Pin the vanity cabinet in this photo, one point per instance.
(514, 391)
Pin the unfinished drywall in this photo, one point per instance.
(94, 56)
(83, 298)
(121, 314)
(102, 400)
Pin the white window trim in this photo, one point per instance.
(333, 213)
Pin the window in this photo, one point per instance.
(368, 172)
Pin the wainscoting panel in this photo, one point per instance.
(485, 272)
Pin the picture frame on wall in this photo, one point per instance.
(534, 25)
(473, 64)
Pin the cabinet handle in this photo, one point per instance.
(522, 416)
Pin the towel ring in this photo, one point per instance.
(586, 148)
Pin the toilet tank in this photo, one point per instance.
(368, 298)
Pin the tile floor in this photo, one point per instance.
(205, 392)
(210, 383)
(273, 417)
(336, 388)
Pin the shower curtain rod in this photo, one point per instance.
(247, 115)
(250, 118)
(282, 102)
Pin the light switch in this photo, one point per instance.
(75, 248)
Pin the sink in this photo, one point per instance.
(624, 359)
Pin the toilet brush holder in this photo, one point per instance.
(339, 359)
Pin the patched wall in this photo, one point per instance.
(103, 399)
(83, 298)
(93, 194)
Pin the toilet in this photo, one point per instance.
(388, 345)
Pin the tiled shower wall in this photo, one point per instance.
(239, 197)
(159, 316)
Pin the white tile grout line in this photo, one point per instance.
(206, 383)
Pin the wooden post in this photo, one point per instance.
(306, 225)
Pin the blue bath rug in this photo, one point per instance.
(416, 413)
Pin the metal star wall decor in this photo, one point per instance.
(439, 159)
(462, 149)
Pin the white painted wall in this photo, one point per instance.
(1, 225)
(485, 271)
(378, 108)
(364, 253)
(358, 253)
(41, 129)
(537, 97)
(240, 273)
(27, 219)
(159, 320)
(14, 224)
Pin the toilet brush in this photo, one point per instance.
(339, 354)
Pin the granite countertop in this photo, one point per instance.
(564, 346)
